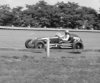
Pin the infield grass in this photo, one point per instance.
(61, 67)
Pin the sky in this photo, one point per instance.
(88, 3)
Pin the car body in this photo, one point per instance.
(74, 42)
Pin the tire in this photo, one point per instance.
(78, 46)
(28, 43)
(40, 45)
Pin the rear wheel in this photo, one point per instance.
(78, 46)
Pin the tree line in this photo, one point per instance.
(60, 15)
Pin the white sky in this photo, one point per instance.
(89, 3)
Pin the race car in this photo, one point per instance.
(74, 42)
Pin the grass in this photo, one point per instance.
(35, 68)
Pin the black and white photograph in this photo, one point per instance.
(49, 41)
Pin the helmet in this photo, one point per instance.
(66, 31)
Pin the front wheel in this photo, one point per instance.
(28, 43)
(40, 45)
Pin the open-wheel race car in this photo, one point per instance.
(74, 42)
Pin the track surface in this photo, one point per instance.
(17, 38)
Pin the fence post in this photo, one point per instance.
(48, 47)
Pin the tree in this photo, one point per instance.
(41, 14)
(17, 16)
(5, 15)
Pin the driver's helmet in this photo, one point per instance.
(66, 31)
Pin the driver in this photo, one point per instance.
(65, 37)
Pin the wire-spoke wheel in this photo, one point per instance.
(40, 45)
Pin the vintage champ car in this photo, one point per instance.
(74, 42)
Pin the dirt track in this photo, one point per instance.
(17, 38)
